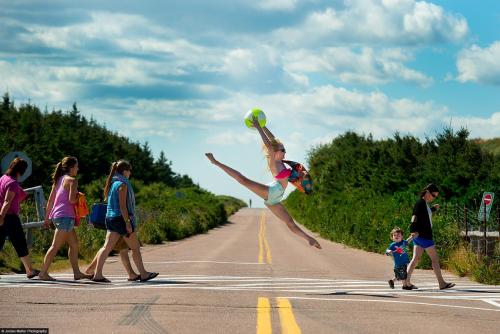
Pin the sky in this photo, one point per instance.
(182, 74)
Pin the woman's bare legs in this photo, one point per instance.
(111, 239)
(417, 255)
(73, 256)
(280, 212)
(125, 261)
(127, 265)
(259, 189)
(431, 251)
(60, 238)
(133, 244)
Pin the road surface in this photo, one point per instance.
(251, 275)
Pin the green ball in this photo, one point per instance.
(261, 117)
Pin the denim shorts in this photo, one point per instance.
(65, 224)
(422, 242)
(117, 224)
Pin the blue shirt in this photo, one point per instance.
(114, 200)
(400, 258)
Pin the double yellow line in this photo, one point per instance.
(287, 319)
(263, 244)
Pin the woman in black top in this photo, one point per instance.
(421, 230)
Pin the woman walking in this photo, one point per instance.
(11, 196)
(61, 212)
(421, 230)
(120, 220)
(273, 192)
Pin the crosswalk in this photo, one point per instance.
(464, 289)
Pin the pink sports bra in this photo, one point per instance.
(284, 174)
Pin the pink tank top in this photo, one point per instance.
(62, 206)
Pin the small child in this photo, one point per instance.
(398, 250)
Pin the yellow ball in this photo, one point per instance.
(261, 117)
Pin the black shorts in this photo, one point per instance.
(117, 224)
(400, 272)
(13, 229)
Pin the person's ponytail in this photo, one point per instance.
(58, 172)
(112, 172)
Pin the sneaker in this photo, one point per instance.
(391, 283)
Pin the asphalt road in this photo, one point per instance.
(251, 276)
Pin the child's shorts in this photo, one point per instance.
(400, 272)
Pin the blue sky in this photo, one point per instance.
(181, 75)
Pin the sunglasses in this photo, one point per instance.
(282, 150)
(433, 196)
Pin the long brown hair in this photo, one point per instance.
(63, 167)
(17, 166)
(116, 167)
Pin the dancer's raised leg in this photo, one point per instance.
(280, 212)
(259, 189)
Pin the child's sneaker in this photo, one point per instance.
(391, 283)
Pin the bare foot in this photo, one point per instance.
(210, 157)
(315, 243)
(45, 277)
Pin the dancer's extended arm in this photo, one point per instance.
(265, 139)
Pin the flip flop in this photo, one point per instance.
(101, 280)
(150, 276)
(447, 286)
(34, 273)
(83, 276)
(136, 278)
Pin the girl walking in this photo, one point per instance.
(61, 212)
(120, 220)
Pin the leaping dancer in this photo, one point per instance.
(273, 192)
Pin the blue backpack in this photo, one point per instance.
(98, 215)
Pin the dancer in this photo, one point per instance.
(421, 230)
(120, 220)
(274, 191)
(61, 212)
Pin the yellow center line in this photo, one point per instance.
(263, 244)
(287, 319)
(263, 316)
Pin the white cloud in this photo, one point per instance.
(404, 22)
(367, 66)
(480, 127)
(481, 65)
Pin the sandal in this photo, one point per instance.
(447, 286)
(101, 280)
(391, 283)
(150, 276)
(34, 273)
(410, 287)
(136, 278)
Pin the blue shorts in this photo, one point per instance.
(424, 243)
(65, 224)
(275, 194)
(117, 224)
